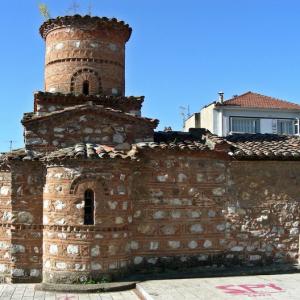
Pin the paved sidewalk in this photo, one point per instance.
(261, 287)
(27, 292)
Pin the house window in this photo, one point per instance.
(245, 125)
(89, 207)
(285, 127)
(85, 88)
(296, 126)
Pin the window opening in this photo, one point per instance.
(89, 207)
(285, 127)
(245, 125)
(86, 88)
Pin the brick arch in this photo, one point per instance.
(87, 178)
(5, 167)
(86, 74)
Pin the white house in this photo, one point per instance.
(247, 113)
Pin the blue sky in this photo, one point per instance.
(181, 53)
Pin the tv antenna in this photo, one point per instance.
(90, 8)
(74, 7)
(185, 113)
(11, 142)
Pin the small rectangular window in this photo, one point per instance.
(89, 207)
(245, 125)
(285, 127)
(296, 126)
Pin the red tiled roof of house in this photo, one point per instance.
(255, 100)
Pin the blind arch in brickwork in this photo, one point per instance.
(93, 179)
(82, 77)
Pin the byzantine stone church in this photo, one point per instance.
(96, 191)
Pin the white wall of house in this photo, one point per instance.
(268, 118)
(194, 121)
(208, 118)
(189, 123)
(217, 119)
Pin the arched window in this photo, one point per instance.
(86, 88)
(89, 207)
(86, 81)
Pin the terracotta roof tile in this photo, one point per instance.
(29, 117)
(265, 146)
(183, 145)
(20, 154)
(89, 151)
(238, 146)
(255, 100)
(95, 151)
(115, 102)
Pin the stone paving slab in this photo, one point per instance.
(27, 292)
(261, 287)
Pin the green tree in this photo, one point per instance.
(43, 8)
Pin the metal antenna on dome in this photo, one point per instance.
(11, 142)
(90, 8)
(74, 7)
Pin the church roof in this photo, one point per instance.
(116, 102)
(83, 21)
(255, 100)
(80, 109)
(237, 146)
(90, 151)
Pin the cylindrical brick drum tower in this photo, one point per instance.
(85, 55)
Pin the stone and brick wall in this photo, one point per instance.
(263, 210)
(5, 220)
(168, 209)
(90, 124)
(177, 209)
(5, 253)
(21, 222)
(5, 196)
(74, 251)
(207, 211)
